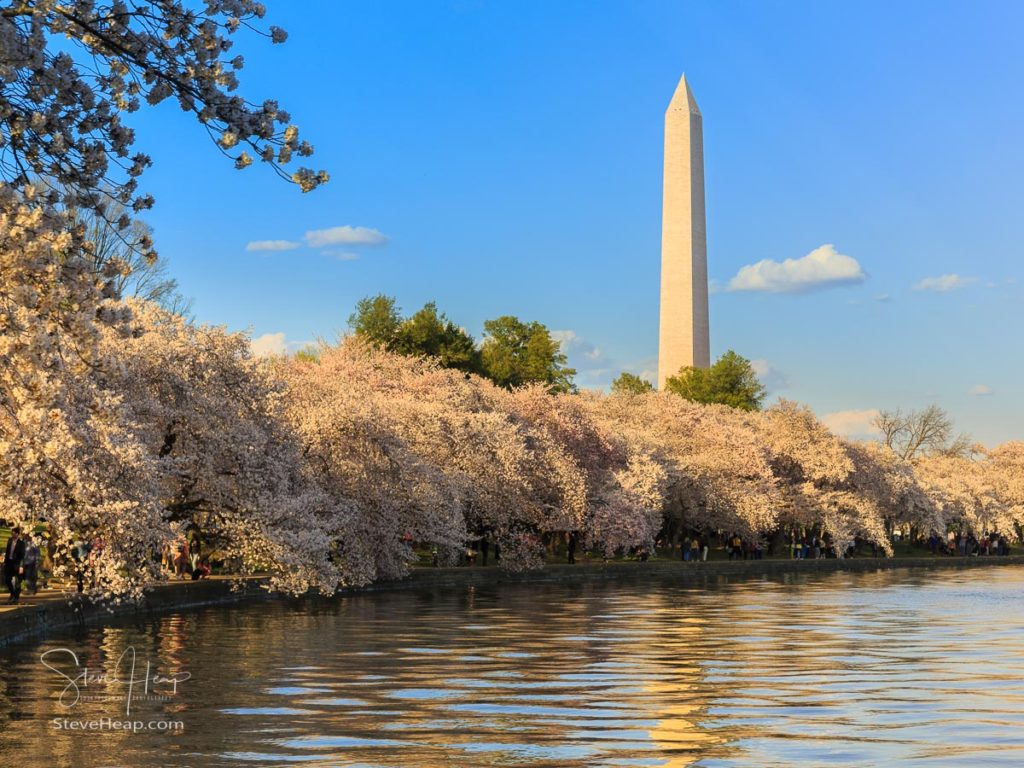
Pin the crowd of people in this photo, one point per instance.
(28, 555)
(967, 544)
(796, 544)
(28, 561)
(183, 558)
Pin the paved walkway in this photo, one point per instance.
(44, 596)
(60, 592)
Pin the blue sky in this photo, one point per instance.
(511, 154)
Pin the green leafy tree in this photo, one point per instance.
(630, 383)
(431, 333)
(730, 381)
(376, 319)
(309, 354)
(516, 353)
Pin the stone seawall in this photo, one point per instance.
(34, 618)
(55, 612)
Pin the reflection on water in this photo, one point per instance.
(840, 669)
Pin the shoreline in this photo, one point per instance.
(55, 611)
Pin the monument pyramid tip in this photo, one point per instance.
(683, 99)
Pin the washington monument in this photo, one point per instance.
(683, 337)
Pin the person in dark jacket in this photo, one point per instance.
(31, 564)
(14, 558)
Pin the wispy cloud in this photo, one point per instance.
(980, 390)
(576, 347)
(593, 367)
(883, 297)
(860, 424)
(271, 245)
(822, 268)
(772, 378)
(943, 283)
(346, 235)
(341, 255)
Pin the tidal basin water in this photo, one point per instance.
(921, 667)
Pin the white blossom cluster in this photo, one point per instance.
(71, 70)
(66, 451)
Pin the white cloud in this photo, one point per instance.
(593, 367)
(883, 297)
(852, 423)
(341, 255)
(346, 235)
(268, 345)
(271, 245)
(980, 390)
(271, 344)
(943, 283)
(575, 348)
(822, 268)
(772, 378)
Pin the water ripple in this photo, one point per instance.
(810, 669)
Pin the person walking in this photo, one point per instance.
(736, 553)
(181, 558)
(31, 564)
(14, 569)
(80, 554)
(194, 552)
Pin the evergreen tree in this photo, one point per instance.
(430, 333)
(730, 381)
(516, 353)
(630, 383)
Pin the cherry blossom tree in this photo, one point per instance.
(63, 106)
(1007, 465)
(436, 456)
(339, 407)
(716, 475)
(66, 455)
(618, 493)
(209, 420)
(966, 492)
(826, 483)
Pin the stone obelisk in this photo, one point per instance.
(683, 338)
